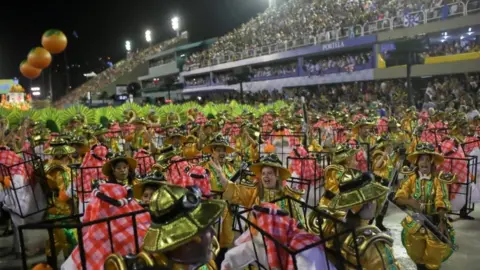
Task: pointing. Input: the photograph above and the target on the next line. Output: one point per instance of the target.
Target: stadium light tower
(176, 25)
(148, 36)
(128, 45)
(272, 3)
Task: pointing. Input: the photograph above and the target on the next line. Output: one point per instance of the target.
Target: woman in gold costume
(59, 179)
(268, 188)
(245, 144)
(343, 166)
(426, 192)
(356, 203)
(121, 170)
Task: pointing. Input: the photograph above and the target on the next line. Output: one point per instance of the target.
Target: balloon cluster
(54, 42)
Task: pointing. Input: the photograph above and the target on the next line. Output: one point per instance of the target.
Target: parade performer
(180, 237)
(245, 144)
(357, 201)
(143, 190)
(269, 186)
(343, 166)
(89, 171)
(121, 170)
(363, 140)
(251, 248)
(59, 178)
(425, 191)
(81, 148)
(305, 167)
(109, 200)
(219, 149)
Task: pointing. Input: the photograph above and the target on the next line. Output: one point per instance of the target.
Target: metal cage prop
(72, 223)
(310, 179)
(28, 191)
(145, 161)
(283, 144)
(461, 191)
(332, 251)
(80, 190)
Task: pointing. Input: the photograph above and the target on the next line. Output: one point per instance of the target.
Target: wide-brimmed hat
(270, 160)
(362, 122)
(218, 140)
(154, 179)
(59, 147)
(425, 149)
(82, 142)
(107, 168)
(176, 133)
(356, 191)
(179, 214)
(140, 121)
(342, 152)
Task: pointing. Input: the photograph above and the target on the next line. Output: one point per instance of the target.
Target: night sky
(103, 26)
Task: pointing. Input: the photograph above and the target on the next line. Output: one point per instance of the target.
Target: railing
(409, 20)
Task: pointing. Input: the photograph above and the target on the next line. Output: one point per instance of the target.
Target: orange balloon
(39, 58)
(28, 71)
(54, 41)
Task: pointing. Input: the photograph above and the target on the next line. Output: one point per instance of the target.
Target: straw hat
(270, 160)
(107, 168)
(218, 140)
(82, 142)
(360, 123)
(356, 191)
(140, 121)
(59, 147)
(425, 149)
(178, 215)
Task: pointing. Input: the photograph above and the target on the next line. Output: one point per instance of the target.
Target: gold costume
(421, 245)
(248, 196)
(333, 175)
(226, 235)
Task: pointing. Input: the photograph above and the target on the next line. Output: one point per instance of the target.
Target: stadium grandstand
(305, 43)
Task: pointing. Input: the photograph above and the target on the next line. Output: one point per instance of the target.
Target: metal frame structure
(77, 172)
(35, 176)
(472, 164)
(72, 222)
(317, 183)
(333, 252)
(301, 136)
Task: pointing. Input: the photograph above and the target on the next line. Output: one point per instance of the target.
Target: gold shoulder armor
(314, 223)
(447, 177)
(334, 167)
(407, 170)
(365, 236)
(295, 193)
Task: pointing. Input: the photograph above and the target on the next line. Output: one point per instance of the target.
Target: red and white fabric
(305, 167)
(471, 142)
(13, 161)
(284, 229)
(96, 242)
(145, 162)
(382, 126)
(90, 170)
(456, 164)
(200, 119)
(177, 171)
(358, 116)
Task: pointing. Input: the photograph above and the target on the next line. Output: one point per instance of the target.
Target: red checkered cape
(285, 230)
(358, 116)
(306, 169)
(145, 161)
(13, 161)
(90, 170)
(450, 149)
(96, 241)
(432, 135)
(471, 142)
(179, 174)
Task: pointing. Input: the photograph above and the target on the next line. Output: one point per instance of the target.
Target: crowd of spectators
(223, 78)
(197, 80)
(453, 47)
(298, 21)
(318, 65)
(122, 67)
(275, 70)
(161, 61)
